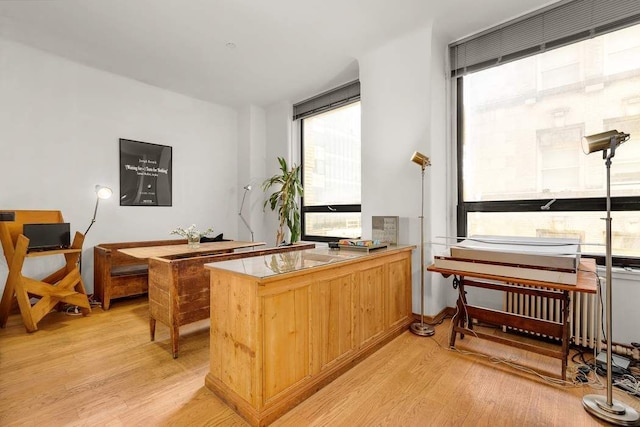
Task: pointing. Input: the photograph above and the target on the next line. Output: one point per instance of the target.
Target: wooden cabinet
(285, 325)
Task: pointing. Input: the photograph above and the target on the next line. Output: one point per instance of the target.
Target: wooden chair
(62, 286)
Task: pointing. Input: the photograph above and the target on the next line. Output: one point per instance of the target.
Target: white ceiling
(285, 49)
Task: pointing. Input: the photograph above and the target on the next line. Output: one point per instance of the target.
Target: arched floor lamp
(247, 188)
(609, 410)
(421, 328)
(102, 192)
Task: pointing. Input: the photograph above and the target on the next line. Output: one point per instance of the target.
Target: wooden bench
(117, 275)
(179, 288)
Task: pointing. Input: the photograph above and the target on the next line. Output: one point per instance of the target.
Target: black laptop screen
(47, 236)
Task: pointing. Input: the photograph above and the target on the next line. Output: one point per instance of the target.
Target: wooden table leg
(175, 335)
(15, 285)
(460, 318)
(8, 294)
(465, 320)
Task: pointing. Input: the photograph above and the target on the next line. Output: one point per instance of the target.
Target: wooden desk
(64, 285)
(179, 288)
(462, 321)
(284, 325)
(185, 250)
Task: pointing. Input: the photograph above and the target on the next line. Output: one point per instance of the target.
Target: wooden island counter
(284, 325)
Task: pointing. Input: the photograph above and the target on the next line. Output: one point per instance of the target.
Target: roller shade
(554, 26)
(329, 100)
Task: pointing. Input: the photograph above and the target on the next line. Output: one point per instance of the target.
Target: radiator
(584, 314)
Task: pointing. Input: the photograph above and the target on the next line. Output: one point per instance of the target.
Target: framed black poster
(145, 174)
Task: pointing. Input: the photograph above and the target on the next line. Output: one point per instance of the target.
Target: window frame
(333, 208)
(586, 204)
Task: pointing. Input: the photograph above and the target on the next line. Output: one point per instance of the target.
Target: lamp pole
(247, 188)
(102, 192)
(421, 329)
(610, 410)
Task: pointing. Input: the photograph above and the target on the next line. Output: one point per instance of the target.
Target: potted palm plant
(285, 200)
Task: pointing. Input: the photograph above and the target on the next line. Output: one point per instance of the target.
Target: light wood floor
(103, 370)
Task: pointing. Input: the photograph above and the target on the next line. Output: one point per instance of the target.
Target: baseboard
(438, 318)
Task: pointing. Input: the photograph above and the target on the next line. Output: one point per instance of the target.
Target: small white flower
(191, 232)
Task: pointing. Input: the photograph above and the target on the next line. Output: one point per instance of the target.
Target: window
(520, 126)
(331, 174)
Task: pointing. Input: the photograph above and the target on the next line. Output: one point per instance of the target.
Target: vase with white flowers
(192, 235)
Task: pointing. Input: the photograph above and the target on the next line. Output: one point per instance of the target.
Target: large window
(520, 126)
(331, 174)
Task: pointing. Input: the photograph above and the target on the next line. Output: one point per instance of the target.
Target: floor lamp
(247, 188)
(609, 410)
(421, 329)
(102, 192)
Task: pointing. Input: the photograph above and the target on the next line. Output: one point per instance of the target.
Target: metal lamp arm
(240, 214)
(93, 220)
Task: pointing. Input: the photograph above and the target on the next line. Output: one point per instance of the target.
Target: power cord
(72, 310)
(513, 364)
(581, 373)
(629, 384)
(578, 373)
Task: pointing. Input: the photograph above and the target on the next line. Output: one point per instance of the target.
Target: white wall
(60, 123)
(403, 96)
(443, 192)
(279, 143)
(251, 164)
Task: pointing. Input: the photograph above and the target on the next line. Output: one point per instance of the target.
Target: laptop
(44, 237)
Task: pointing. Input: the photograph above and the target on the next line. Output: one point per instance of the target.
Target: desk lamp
(421, 329)
(609, 410)
(247, 188)
(102, 192)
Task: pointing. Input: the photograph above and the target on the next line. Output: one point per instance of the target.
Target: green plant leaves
(285, 200)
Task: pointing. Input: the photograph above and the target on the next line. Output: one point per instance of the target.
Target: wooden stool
(62, 286)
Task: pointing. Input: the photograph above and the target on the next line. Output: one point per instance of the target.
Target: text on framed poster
(145, 174)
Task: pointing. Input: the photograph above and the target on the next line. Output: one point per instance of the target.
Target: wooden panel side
(370, 304)
(159, 290)
(286, 340)
(101, 269)
(120, 259)
(124, 286)
(234, 328)
(192, 290)
(330, 321)
(398, 292)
